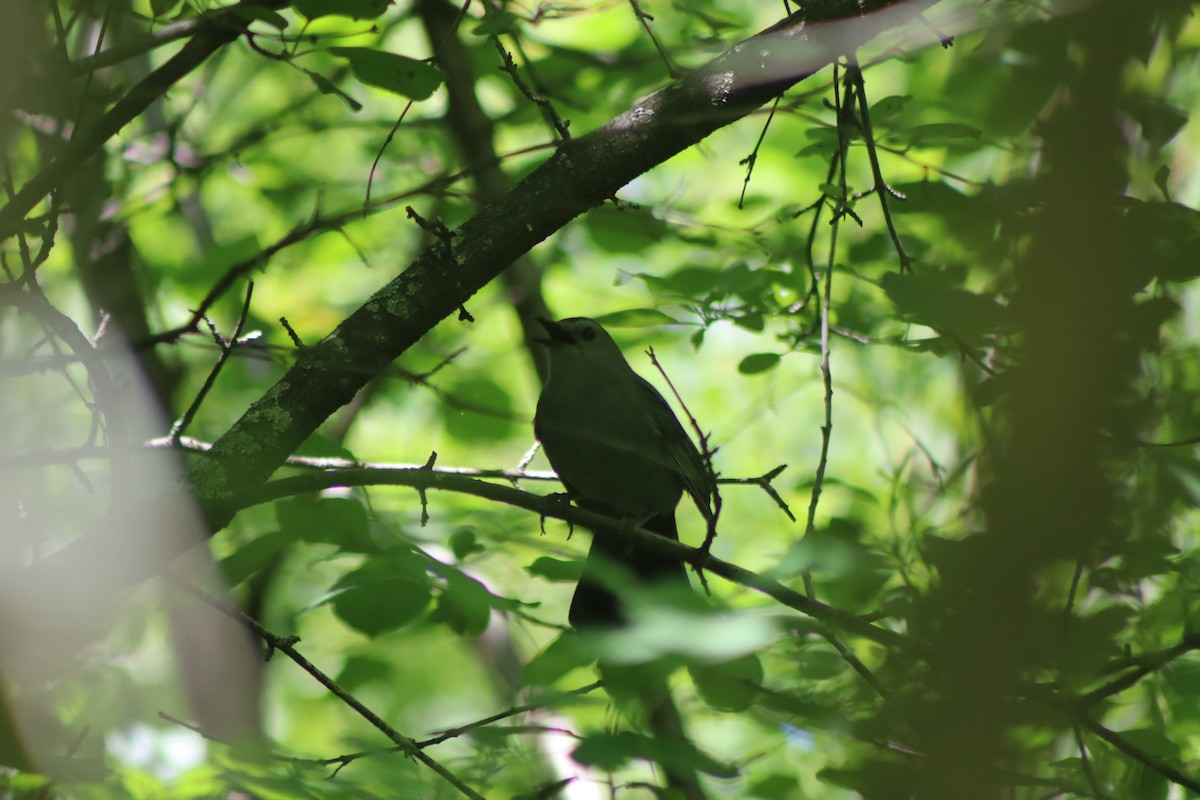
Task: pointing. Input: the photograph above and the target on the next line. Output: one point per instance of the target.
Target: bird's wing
(678, 449)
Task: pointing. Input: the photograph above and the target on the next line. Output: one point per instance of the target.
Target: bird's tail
(594, 604)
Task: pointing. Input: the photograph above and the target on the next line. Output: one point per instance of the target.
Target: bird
(619, 450)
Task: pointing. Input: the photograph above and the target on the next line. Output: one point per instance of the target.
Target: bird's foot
(557, 497)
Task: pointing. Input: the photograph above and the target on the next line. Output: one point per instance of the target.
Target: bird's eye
(588, 334)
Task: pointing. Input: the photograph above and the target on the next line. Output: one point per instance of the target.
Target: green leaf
(931, 300)
(624, 229)
(390, 72)
(464, 543)
(384, 594)
(340, 521)
(1166, 237)
(758, 362)
(942, 133)
(559, 657)
(252, 556)
(775, 786)
(555, 569)
(480, 410)
(732, 686)
(832, 191)
(658, 630)
(820, 661)
(888, 107)
(360, 670)
(326, 86)
(464, 605)
(610, 751)
(355, 9)
(496, 23)
(160, 7)
(636, 318)
(259, 14)
(687, 281)
(1160, 121)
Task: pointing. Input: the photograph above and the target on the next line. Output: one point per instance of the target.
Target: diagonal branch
(580, 175)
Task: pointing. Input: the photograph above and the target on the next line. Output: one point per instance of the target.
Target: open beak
(557, 333)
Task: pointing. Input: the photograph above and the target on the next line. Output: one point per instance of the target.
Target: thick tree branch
(577, 177)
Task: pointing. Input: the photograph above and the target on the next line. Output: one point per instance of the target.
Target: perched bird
(619, 450)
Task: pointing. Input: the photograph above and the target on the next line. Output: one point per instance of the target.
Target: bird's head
(579, 341)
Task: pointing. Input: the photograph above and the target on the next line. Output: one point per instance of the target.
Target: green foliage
(987, 579)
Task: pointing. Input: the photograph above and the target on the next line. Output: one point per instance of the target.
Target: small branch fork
(226, 346)
(561, 126)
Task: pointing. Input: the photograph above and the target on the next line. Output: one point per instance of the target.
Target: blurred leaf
(497, 22)
(252, 556)
(818, 661)
(758, 362)
(775, 786)
(360, 670)
(888, 107)
(384, 594)
(941, 133)
(658, 630)
(559, 657)
(732, 686)
(625, 229)
(610, 751)
(636, 318)
(877, 778)
(481, 410)
(1160, 121)
(464, 543)
(928, 300)
(464, 605)
(340, 521)
(394, 73)
(555, 569)
(1166, 238)
(253, 13)
(355, 9)
(326, 86)
(160, 7)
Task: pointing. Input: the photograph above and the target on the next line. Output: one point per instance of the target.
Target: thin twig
(645, 19)
(227, 348)
(752, 159)
(286, 645)
(451, 733)
(560, 125)
(882, 190)
(826, 372)
(382, 149)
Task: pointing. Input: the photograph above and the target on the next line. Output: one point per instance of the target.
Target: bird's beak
(558, 335)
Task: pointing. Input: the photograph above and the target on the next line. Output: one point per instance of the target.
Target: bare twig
(826, 372)
(286, 645)
(227, 348)
(561, 126)
(857, 88)
(644, 20)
